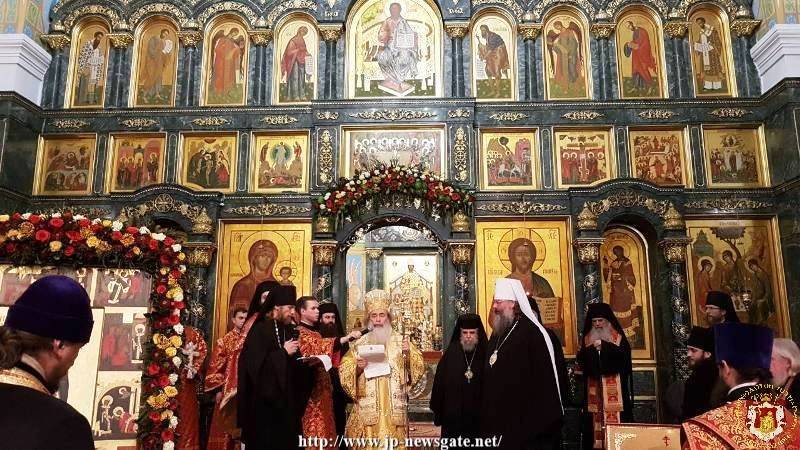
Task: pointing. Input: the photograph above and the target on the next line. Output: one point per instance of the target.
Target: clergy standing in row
(520, 399)
(330, 326)
(605, 361)
(703, 390)
(456, 394)
(274, 384)
(381, 402)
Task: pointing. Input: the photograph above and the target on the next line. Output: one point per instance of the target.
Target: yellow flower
(162, 342)
(181, 256)
(55, 246)
(171, 391)
(156, 338)
(12, 234)
(86, 233)
(127, 240)
(3, 238)
(167, 414)
(93, 241)
(176, 341)
(26, 230)
(137, 251)
(103, 247)
(4, 218)
(106, 223)
(164, 271)
(157, 401)
(171, 351)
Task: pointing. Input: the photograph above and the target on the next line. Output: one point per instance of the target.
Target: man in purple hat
(43, 332)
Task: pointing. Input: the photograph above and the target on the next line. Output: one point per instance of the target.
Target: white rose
(321, 207)
(182, 268)
(55, 215)
(169, 445)
(176, 248)
(78, 217)
(144, 230)
(116, 225)
(26, 216)
(176, 312)
(377, 172)
(178, 328)
(96, 221)
(176, 360)
(173, 378)
(178, 297)
(158, 236)
(327, 195)
(173, 421)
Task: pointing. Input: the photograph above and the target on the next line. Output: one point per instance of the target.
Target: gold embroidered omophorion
(19, 377)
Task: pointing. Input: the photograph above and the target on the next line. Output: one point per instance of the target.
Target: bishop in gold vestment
(381, 403)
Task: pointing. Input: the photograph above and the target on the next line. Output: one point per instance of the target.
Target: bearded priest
(380, 395)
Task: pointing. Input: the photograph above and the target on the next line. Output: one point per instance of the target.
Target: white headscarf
(511, 290)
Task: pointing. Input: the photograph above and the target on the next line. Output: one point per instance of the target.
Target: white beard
(468, 346)
(600, 333)
(380, 335)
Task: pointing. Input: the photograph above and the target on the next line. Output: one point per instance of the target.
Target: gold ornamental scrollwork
(582, 115)
(373, 253)
(120, 40)
(269, 209)
(730, 113)
(327, 115)
(95, 10)
(200, 254)
(587, 220)
(330, 33)
(512, 6)
(602, 30)
(674, 249)
(460, 222)
(676, 29)
(212, 121)
(166, 9)
(456, 30)
(460, 151)
(628, 199)
(521, 207)
(323, 224)
(229, 6)
(278, 119)
(190, 38)
(69, 124)
(673, 220)
(588, 249)
(261, 37)
(56, 41)
(508, 116)
(138, 122)
(728, 204)
(165, 203)
(325, 157)
(530, 31)
(657, 114)
(393, 114)
(324, 252)
(461, 252)
(281, 7)
(745, 27)
(459, 113)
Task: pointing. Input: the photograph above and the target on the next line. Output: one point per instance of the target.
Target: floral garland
(71, 239)
(348, 196)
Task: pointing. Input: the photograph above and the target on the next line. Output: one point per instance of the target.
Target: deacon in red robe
(195, 350)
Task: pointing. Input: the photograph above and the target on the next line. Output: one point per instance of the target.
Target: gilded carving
(745, 27)
(676, 29)
(284, 6)
(278, 119)
(261, 37)
(330, 33)
(521, 207)
(460, 151)
(459, 113)
(95, 10)
(657, 114)
(729, 204)
(229, 6)
(614, 5)
(323, 224)
(392, 114)
(456, 30)
(585, 5)
(674, 251)
(588, 250)
(508, 116)
(730, 113)
(190, 38)
(200, 253)
(587, 220)
(325, 158)
(673, 220)
(324, 253)
(164, 203)
(69, 124)
(582, 115)
(682, 8)
(602, 30)
(327, 115)
(167, 9)
(269, 209)
(55, 41)
(628, 199)
(373, 253)
(529, 31)
(461, 253)
(138, 122)
(211, 121)
(512, 6)
(460, 222)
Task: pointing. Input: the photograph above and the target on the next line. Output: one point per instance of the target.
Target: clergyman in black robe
(558, 353)
(520, 400)
(456, 395)
(274, 384)
(703, 389)
(605, 360)
(335, 329)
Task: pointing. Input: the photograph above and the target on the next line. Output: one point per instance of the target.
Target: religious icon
(583, 157)
(740, 257)
(88, 62)
(252, 253)
(225, 63)
(136, 161)
(658, 156)
(734, 157)
(280, 162)
(412, 283)
(208, 162)
(711, 58)
(295, 71)
(368, 148)
(125, 337)
(507, 159)
(394, 49)
(122, 287)
(538, 254)
(156, 63)
(566, 55)
(639, 55)
(626, 287)
(65, 165)
(494, 58)
(116, 406)
(16, 279)
(356, 284)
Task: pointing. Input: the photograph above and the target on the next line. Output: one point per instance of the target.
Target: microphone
(363, 332)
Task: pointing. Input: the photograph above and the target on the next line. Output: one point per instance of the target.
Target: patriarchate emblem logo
(766, 420)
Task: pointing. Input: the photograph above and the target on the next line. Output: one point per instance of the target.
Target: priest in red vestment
(188, 429)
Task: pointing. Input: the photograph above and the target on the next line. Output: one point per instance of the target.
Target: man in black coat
(274, 384)
(703, 390)
(43, 332)
(456, 394)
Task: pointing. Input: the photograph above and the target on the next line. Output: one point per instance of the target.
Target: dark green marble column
(324, 259)
(675, 253)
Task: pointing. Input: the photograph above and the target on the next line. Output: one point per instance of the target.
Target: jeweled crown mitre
(377, 299)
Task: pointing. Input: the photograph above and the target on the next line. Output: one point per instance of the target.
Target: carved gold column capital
(587, 220)
(673, 220)
(202, 223)
(199, 254)
(261, 37)
(324, 252)
(457, 30)
(588, 249)
(674, 249)
(602, 30)
(676, 28)
(461, 252)
(190, 38)
(120, 40)
(374, 253)
(323, 224)
(744, 27)
(529, 31)
(460, 222)
(330, 33)
(56, 41)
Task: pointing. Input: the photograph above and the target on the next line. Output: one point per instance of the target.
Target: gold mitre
(377, 299)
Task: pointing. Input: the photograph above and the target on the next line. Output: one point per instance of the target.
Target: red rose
(11, 248)
(117, 235)
(166, 260)
(34, 219)
(97, 227)
(152, 369)
(132, 230)
(69, 250)
(456, 197)
(168, 241)
(84, 223)
(167, 435)
(176, 274)
(161, 289)
(56, 222)
(155, 416)
(153, 244)
(16, 216)
(173, 319)
(42, 235)
(163, 381)
(179, 305)
(74, 235)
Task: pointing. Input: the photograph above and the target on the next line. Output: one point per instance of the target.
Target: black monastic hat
(702, 338)
(723, 301)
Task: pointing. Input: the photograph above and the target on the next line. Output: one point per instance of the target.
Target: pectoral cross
(189, 350)
(666, 440)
